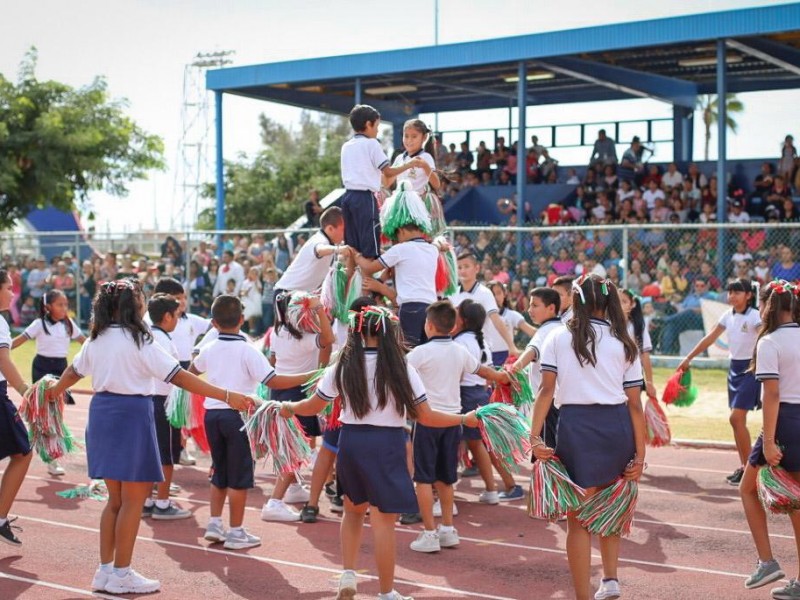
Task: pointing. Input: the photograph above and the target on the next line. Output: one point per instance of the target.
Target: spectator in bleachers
(511, 164)
(62, 279)
(465, 158)
(632, 163)
(651, 194)
(653, 174)
(637, 278)
(788, 159)
(778, 193)
(572, 177)
(88, 287)
(762, 186)
(688, 317)
(707, 274)
(536, 146)
(499, 156)
(37, 280)
(532, 167)
(549, 167)
(699, 181)
(673, 281)
(736, 212)
(787, 268)
(230, 271)
(563, 265)
(604, 151)
(483, 160)
(672, 178)
(789, 211)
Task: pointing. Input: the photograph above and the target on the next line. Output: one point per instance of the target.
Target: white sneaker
(608, 590)
(448, 539)
(55, 469)
(241, 539)
(437, 509)
(427, 541)
(186, 459)
(276, 510)
(347, 586)
(488, 497)
(296, 494)
(395, 595)
(99, 580)
(215, 533)
(131, 583)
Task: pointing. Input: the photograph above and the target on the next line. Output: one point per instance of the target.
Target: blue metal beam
(682, 134)
(722, 155)
(220, 214)
(636, 83)
(775, 53)
(472, 89)
(522, 163)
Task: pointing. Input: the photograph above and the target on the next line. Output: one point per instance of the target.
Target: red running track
(689, 540)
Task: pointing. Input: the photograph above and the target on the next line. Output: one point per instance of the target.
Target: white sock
(162, 504)
(3, 520)
(431, 532)
(149, 503)
(446, 528)
(274, 502)
(121, 571)
(389, 596)
(237, 530)
(107, 568)
(215, 521)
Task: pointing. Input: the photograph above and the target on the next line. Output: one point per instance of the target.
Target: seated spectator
(484, 160)
(707, 274)
(637, 278)
(532, 166)
(761, 187)
(688, 317)
(653, 174)
(511, 164)
(610, 180)
(672, 178)
(741, 253)
(709, 194)
(787, 268)
(572, 177)
(678, 208)
(651, 194)
(709, 214)
(660, 212)
(778, 193)
(743, 270)
(761, 269)
(673, 281)
(699, 181)
(464, 158)
(563, 265)
(632, 164)
(789, 211)
(28, 312)
(542, 272)
(736, 212)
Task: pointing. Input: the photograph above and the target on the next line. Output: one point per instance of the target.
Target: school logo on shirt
(744, 328)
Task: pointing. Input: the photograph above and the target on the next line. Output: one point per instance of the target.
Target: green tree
(270, 189)
(708, 105)
(58, 143)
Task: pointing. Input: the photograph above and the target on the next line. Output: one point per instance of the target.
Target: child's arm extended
(285, 382)
(68, 378)
(500, 325)
(19, 340)
(304, 408)
(368, 266)
(701, 347)
(524, 359)
(10, 372)
(391, 172)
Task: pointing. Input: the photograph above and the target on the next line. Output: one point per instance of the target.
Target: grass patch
(23, 359)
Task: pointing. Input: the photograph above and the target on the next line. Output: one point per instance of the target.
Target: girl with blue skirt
(121, 444)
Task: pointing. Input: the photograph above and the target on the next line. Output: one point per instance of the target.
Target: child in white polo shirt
(230, 361)
(441, 362)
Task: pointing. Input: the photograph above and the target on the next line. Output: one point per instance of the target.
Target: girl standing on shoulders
(601, 430)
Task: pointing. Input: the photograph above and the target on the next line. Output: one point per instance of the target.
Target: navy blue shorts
(231, 459)
(472, 396)
(412, 322)
(47, 365)
(436, 453)
(499, 358)
(362, 224)
(169, 437)
(744, 391)
(310, 424)
(787, 436)
(13, 435)
(371, 466)
(595, 442)
(330, 439)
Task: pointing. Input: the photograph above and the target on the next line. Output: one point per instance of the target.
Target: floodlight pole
(220, 213)
(522, 170)
(722, 131)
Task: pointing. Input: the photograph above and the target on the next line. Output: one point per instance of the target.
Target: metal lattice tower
(194, 165)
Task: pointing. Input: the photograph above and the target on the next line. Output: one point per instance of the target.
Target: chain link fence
(676, 269)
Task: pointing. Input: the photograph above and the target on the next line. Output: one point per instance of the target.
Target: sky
(142, 46)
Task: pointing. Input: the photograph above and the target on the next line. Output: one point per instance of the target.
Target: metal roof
(670, 59)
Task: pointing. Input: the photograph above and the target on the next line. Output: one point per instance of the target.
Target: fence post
(625, 258)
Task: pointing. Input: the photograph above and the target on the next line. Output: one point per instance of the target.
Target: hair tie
(576, 287)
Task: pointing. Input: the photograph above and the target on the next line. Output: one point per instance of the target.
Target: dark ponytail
(44, 314)
(281, 306)
(636, 317)
(120, 302)
(473, 317)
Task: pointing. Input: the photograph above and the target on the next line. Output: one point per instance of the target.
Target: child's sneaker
(7, 536)
(309, 514)
(514, 493)
(410, 518)
(394, 595)
(276, 510)
(448, 539)
(608, 590)
(330, 489)
(735, 478)
(171, 513)
(296, 493)
(427, 541)
(186, 459)
(337, 504)
(55, 469)
(347, 586)
(99, 580)
(239, 539)
(437, 509)
(215, 533)
(488, 497)
(790, 591)
(766, 572)
(131, 583)
(147, 511)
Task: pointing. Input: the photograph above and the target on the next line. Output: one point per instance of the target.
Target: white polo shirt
(468, 340)
(293, 356)
(117, 365)
(441, 363)
(55, 342)
(209, 336)
(418, 178)
(604, 383)
(163, 339)
(742, 331)
(386, 417)
(777, 357)
(647, 342)
(512, 319)
(537, 343)
(566, 315)
(5, 340)
(414, 263)
(189, 328)
(482, 295)
(231, 363)
(308, 269)
(363, 159)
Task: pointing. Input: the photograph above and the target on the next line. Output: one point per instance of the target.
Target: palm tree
(709, 104)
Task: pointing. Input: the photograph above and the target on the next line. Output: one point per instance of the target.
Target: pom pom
(435, 211)
(778, 491)
(519, 393)
(339, 284)
(96, 490)
(49, 436)
(353, 292)
(179, 408)
(197, 426)
(330, 415)
(658, 432)
(610, 511)
(452, 272)
(273, 435)
(404, 208)
(442, 278)
(679, 389)
(553, 493)
(300, 314)
(506, 434)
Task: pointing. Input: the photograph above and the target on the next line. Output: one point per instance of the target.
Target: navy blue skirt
(595, 442)
(13, 435)
(744, 391)
(310, 424)
(121, 442)
(371, 467)
(787, 436)
(472, 397)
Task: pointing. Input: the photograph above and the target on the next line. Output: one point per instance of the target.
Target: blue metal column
(522, 170)
(682, 135)
(358, 90)
(722, 131)
(220, 214)
(397, 135)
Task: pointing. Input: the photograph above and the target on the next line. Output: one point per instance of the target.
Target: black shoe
(470, 472)
(337, 504)
(309, 514)
(410, 518)
(7, 536)
(736, 477)
(330, 489)
(68, 399)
